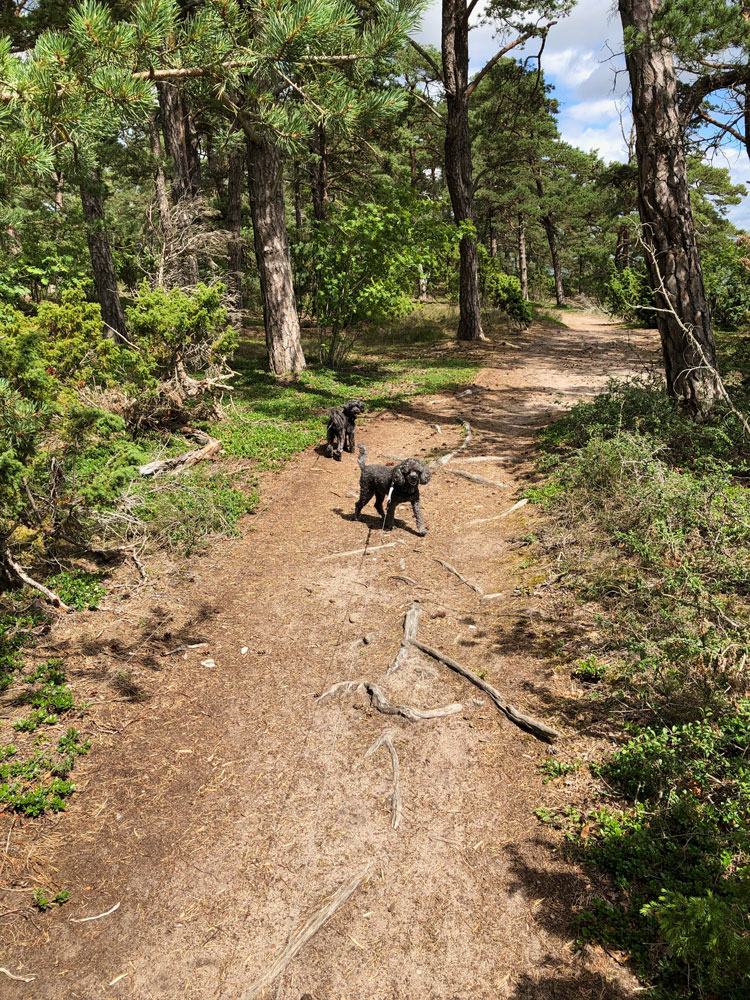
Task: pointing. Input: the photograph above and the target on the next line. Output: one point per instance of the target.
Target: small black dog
(405, 480)
(340, 432)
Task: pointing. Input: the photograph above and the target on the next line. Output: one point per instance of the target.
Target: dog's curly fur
(405, 478)
(340, 431)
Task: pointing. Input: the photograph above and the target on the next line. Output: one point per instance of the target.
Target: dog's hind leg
(365, 495)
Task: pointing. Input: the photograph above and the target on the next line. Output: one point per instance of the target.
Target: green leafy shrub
(504, 291)
(628, 295)
(78, 589)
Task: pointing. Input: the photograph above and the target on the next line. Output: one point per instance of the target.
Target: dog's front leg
(349, 443)
(416, 506)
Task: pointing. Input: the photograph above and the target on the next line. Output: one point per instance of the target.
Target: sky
(584, 63)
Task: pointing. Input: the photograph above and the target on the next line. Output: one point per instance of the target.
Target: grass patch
(541, 314)
(653, 513)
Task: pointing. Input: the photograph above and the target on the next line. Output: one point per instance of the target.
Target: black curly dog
(340, 432)
(405, 478)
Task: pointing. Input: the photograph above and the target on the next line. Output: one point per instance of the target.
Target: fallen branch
(408, 579)
(411, 622)
(181, 463)
(308, 930)
(83, 920)
(386, 740)
(452, 569)
(525, 722)
(451, 454)
(358, 552)
(488, 458)
(18, 979)
(15, 570)
(498, 517)
(477, 479)
(381, 703)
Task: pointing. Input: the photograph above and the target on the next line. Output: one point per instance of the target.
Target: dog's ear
(425, 475)
(398, 477)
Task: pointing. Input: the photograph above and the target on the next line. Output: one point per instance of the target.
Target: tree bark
(622, 250)
(458, 166)
(523, 266)
(298, 220)
(272, 255)
(102, 262)
(180, 147)
(234, 223)
(666, 215)
(162, 199)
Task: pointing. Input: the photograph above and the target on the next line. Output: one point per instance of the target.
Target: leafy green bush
(628, 294)
(504, 291)
(727, 278)
(78, 589)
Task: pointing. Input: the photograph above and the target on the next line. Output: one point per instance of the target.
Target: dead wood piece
(488, 458)
(498, 517)
(181, 463)
(477, 479)
(308, 930)
(525, 722)
(381, 703)
(452, 569)
(386, 740)
(411, 623)
(345, 686)
(408, 579)
(83, 920)
(437, 428)
(17, 572)
(358, 552)
(18, 979)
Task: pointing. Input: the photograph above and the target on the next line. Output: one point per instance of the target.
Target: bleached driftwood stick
(477, 479)
(411, 622)
(452, 569)
(487, 458)
(308, 930)
(381, 703)
(83, 920)
(18, 979)
(525, 722)
(386, 740)
(498, 517)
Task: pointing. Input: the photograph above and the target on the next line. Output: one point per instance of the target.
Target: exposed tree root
(381, 703)
(181, 463)
(358, 552)
(411, 622)
(525, 722)
(16, 572)
(345, 686)
(444, 459)
(452, 569)
(488, 458)
(498, 517)
(477, 479)
(308, 930)
(386, 740)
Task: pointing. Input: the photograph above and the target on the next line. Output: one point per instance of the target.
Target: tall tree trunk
(59, 190)
(523, 266)
(179, 145)
(549, 228)
(162, 199)
(458, 167)
(622, 250)
(666, 215)
(234, 222)
(100, 250)
(319, 185)
(272, 254)
(413, 165)
(493, 236)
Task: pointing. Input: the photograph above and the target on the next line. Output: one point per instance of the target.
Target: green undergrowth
(35, 766)
(651, 512)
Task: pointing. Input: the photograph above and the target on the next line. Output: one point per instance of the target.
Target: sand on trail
(221, 812)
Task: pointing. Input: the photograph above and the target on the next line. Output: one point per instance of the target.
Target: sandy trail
(221, 812)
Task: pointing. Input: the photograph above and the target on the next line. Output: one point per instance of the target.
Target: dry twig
(452, 569)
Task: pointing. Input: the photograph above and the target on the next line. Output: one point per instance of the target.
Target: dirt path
(223, 810)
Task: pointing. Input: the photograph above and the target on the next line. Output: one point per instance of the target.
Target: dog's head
(353, 408)
(411, 473)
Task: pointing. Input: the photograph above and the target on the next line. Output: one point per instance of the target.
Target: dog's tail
(362, 460)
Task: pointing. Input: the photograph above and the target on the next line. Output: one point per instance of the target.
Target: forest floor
(221, 811)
